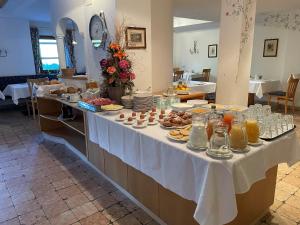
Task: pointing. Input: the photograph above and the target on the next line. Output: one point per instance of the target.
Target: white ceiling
(38, 10)
(210, 9)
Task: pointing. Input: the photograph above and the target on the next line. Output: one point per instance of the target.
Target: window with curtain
(49, 54)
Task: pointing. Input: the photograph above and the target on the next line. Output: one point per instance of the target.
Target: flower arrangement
(117, 68)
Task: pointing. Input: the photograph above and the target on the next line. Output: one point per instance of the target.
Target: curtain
(69, 50)
(36, 49)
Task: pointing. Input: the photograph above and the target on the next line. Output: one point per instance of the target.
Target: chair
(33, 99)
(288, 96)
(178, 75)
(175, 69)
(205, 76)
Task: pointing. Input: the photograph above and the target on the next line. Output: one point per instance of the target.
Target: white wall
(276, 68)
(184, 41)
(137, 13)
(153, 65)
(81, 12)
(15, 37)
(269, 67)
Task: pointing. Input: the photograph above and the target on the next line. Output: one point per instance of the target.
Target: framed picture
(135, 38)
(213, 51)
(271, 47)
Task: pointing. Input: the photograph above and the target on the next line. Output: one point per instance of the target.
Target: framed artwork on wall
(213, 51)
(271, 47)
(135, 38)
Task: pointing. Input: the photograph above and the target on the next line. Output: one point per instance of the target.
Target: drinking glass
(290, 122)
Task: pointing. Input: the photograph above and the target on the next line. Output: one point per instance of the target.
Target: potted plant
(117, 72)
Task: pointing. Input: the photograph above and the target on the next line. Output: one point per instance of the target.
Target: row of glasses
(277, 124)
(270, 124)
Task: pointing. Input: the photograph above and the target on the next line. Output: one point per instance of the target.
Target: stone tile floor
(43, 183)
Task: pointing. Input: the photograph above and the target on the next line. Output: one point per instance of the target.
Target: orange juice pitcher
(252, 130)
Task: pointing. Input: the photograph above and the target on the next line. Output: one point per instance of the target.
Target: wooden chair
(288, 96)
(176, 69)
(178, 75)
(33, 99)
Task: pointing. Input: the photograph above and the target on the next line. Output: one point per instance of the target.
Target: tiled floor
(43, 183)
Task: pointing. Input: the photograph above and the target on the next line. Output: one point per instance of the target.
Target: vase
(116, 93)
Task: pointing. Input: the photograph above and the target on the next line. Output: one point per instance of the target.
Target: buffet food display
(217, 129)
(220, 131)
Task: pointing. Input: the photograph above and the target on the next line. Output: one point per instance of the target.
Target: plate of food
(152, 121)
(140, 124)
(112, 107)
(129, 121)
(120, 118)
(176, 120)
(181, 135)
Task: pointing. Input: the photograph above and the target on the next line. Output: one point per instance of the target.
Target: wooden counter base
(171, 208)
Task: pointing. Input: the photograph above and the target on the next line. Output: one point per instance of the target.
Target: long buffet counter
(178, 185)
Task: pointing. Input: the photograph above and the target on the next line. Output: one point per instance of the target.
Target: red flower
(123, 75)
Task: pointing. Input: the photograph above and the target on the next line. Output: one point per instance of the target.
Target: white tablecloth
(190, 75)
(17, 91)
(199, 86)
(212, 184)
(41, 90)
(261, 87)
(2, 96)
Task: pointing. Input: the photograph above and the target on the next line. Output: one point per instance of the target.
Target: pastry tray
(89, 107)
(280, 135)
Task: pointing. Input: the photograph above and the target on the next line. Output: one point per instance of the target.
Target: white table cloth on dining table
(199, 86)
(261, 87)
(17, 91)
(210, 183)
(41, 90)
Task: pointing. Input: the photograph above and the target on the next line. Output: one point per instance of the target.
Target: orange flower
(115, 46)
(111, 70)
(120, 55)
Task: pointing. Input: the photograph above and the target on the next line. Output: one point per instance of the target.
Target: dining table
(17, 91)
(200, 86)
(261, 87)
(20, 91)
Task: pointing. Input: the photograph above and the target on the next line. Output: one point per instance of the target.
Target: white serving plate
(181, 107)
(197, 103)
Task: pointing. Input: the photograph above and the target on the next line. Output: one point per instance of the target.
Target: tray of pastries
(176, 120)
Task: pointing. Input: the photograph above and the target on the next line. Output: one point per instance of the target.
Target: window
(49, 54)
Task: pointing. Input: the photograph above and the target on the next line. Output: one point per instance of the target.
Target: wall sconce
(195, 49)
(3, 52)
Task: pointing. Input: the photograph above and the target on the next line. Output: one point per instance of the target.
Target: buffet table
(175, 183)
(211, 184)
